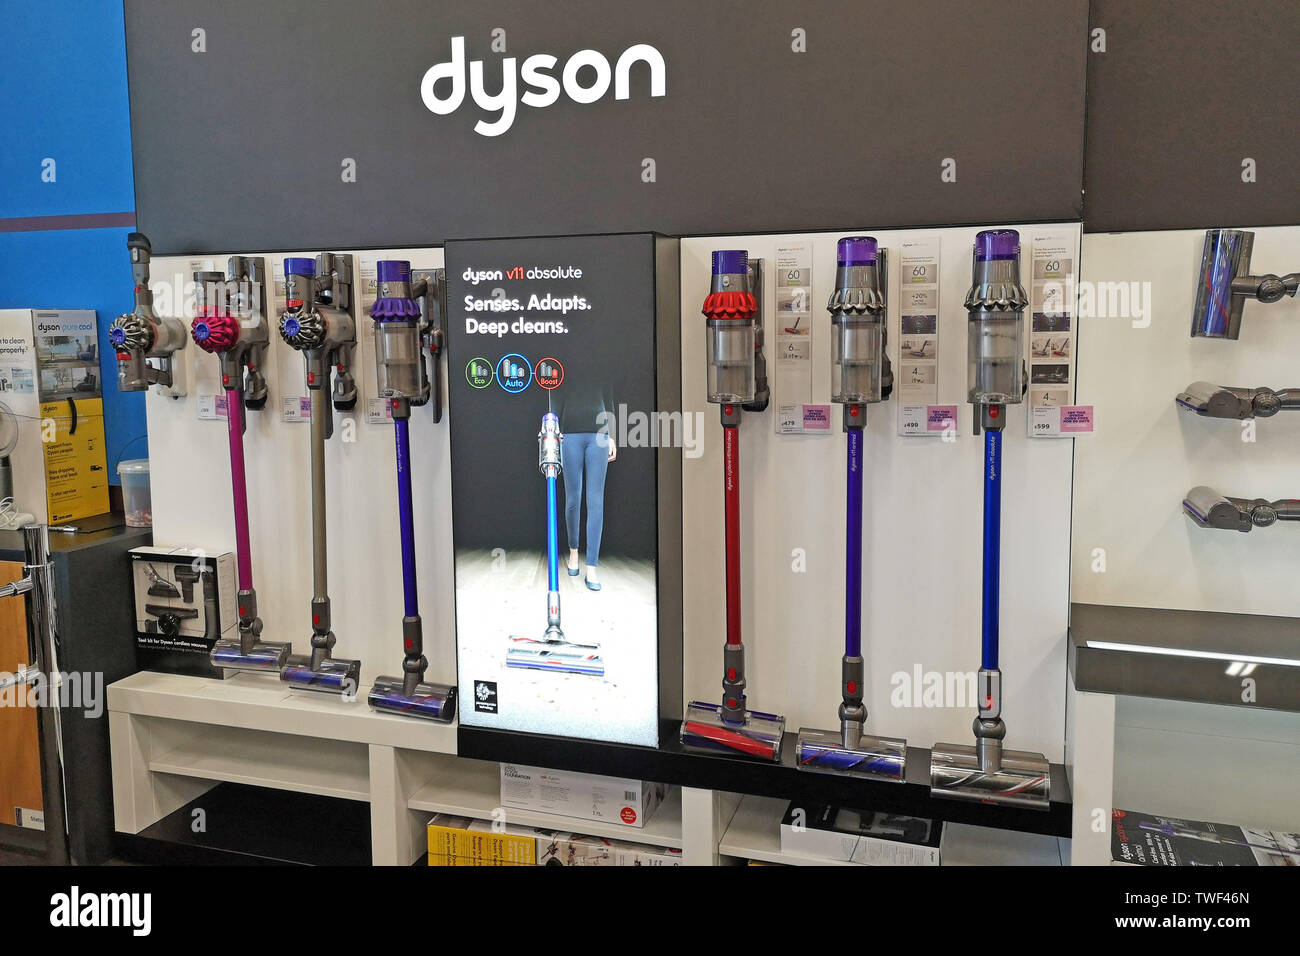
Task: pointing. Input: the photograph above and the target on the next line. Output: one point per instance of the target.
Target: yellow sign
(76, 472)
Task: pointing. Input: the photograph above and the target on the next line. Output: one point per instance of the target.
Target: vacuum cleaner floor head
(336, 675)
(874, 758)
(1022, 780)
(264, 656)
(430, 701)
(561, 656)
(759, 735)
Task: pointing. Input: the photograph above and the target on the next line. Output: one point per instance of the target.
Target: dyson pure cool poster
(551, 351)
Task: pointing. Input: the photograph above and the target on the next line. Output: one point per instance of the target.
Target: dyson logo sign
(585, 78)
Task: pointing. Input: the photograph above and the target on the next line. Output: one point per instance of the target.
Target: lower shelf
(246, 826)
(755, 834)
(472, 788)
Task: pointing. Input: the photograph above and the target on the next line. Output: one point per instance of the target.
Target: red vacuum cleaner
(737, 383)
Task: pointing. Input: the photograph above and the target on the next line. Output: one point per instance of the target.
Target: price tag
(212, 407)
(1062, 421)
(916, 368)
(803, 420)
(379, 412)
(295, 408)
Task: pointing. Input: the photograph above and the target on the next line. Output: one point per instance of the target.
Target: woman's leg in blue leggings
(597, 460)
(572, 454)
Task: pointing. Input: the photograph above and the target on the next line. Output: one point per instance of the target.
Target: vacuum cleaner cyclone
(401, 328)
(734, 357)
(995, 352)
(554, 652)
(318, 322)
(860, 376)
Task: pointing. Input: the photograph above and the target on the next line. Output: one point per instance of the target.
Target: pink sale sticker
(816, 418)
(940, 418)
(1076, 418)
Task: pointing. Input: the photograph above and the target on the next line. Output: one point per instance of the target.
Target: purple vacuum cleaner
(232, 325)
(401, 330)
(318, 322)
(860, 376)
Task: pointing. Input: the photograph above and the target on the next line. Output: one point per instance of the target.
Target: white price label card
(803, 420)
(212, 407)
(295, 408)
(1061, 421)
(379, 412)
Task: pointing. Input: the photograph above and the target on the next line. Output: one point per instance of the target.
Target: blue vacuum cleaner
(401, 329)
(860, 376)
(995, 346)
(554, 652)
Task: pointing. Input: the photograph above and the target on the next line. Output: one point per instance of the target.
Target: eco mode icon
(514, 374)
(478, 372)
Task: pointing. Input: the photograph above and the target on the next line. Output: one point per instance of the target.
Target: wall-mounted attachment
(1224, 401)
(141, 335)
(1225, 283)
(319, 321)
(1209, 509)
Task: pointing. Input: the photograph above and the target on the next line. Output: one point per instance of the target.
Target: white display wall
(190, 478)
(1130, 478)
(922, 528)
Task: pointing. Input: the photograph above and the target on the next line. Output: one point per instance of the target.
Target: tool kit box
(184, 603)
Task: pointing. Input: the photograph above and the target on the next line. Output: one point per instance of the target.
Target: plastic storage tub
(136, 501)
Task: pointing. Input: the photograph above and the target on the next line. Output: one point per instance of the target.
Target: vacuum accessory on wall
(995, 348)
(318, 321)
(1225, 284)
(142, 334)
(231, 323)
(555, 651)
(1209, 509)
(860, 375)
(737, 382)
(1224, 401)
(401, 330)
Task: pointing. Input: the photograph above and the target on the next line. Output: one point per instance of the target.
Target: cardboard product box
(860, 836)
(571, 850)
(1147, 839)
(185, 601)
(50, 385)
(583, 796)
(462, 841)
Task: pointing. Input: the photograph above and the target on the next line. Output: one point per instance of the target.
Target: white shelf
(262, 702)
(303, 764)
(755, 834)
(472, 788)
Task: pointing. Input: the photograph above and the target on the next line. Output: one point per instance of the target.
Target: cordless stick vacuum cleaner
(400, 333)
(735, 354)
(1209, 509)
(318, 322)
(1225, 284)
(995, 364)
(554, 652)
(232, 325)
(860, 376)
(141, 334)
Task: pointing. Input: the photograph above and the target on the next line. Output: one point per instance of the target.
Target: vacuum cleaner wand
(995, 353)
(554, 651)
(231, 324)
(318, 322)
(1222, 401)
(858, 364)
(1224, 284)
(399, 329)
(141, 334)
(1209, 509)
(734, 353)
